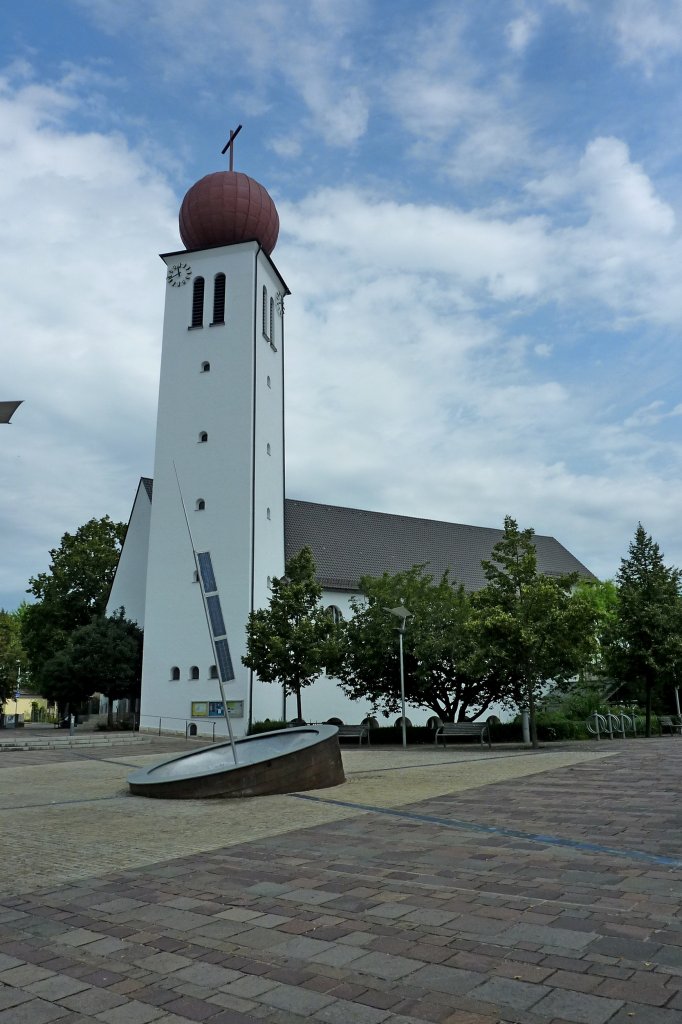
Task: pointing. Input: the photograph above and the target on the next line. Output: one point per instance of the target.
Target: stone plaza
(463, 886)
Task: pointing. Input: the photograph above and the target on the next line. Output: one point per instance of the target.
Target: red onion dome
(228, 207)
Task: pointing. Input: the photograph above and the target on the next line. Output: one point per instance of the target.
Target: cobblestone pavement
(454, 887)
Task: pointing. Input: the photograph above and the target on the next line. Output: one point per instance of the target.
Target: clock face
(179, 274)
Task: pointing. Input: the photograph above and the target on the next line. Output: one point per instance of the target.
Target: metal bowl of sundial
(285, 761)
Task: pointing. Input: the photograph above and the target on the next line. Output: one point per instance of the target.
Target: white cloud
(648, 32)
(520, 30)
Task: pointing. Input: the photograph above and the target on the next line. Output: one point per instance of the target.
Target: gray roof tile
(348, 543)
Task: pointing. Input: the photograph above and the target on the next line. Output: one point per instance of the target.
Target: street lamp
(403, 615)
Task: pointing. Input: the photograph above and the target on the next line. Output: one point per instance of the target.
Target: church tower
(220, 447)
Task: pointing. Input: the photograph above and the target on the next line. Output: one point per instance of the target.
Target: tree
(442, 669)
(72, 592)
(289, 641)
(531, 627)
(645, 640)
(12, 657)
(103, 657)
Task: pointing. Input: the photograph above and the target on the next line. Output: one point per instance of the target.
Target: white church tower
(219, 444)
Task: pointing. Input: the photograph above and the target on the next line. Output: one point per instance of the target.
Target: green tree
(532, 629)
(72, 592)
(289, 641)
(645, 640)
(13, 662)
(103, 657)
(442, 669)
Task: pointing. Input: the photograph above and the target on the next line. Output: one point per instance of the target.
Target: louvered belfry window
(265, 313)
(198, 303)
(219, 299)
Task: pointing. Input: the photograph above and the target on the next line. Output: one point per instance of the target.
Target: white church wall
(130, 583)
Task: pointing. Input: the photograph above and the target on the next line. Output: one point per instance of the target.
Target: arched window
(267, 513)
(334, 613)
(200, 505)
(219, 299)
(265, 313)
(268, 382)
(203, 437)
(195, 576)
(198, 303)
(205, 367)
(271, 335)
(213, 672)
(194, 672)
(175, 672)
(268, 448)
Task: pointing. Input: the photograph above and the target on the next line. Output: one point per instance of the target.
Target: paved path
(454, 887)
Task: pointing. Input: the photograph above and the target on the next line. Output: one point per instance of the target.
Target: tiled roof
(348, 543)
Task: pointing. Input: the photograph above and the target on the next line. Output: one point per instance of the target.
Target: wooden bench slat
(480, 729)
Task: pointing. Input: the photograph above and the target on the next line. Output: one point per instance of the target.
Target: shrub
(268, 725)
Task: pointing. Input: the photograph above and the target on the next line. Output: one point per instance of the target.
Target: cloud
(648, 32)
(520, 30)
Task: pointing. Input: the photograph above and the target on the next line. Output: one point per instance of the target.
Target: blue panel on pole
(215, 614)
(206, 569)
(224, 660)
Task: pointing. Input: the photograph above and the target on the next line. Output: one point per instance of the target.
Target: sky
(480, 227)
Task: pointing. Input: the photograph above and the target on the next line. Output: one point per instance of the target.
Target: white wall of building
(130, 583)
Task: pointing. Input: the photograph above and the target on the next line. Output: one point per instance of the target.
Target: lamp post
(403, 615)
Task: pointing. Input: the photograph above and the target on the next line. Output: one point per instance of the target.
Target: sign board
(215, 709)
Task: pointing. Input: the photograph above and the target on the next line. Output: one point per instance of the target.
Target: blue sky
(480, 226)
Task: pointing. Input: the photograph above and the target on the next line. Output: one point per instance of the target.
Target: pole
(402, 687)
(677, 700)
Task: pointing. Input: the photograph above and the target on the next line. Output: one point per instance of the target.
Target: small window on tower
(198, 303)
(269, 382)
(195, 576)
(271, 335)
(213, 672)
(203, 437)
(200, 505)
(268, 449)
(218, 300)
(175, 672)
(267, 513)
(265, 313)
(194, 672)
(205, 367)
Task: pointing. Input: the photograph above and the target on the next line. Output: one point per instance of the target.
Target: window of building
(203, 437)
(194, 672)
(269, 382)
(213, 672)
(334, 613)
(200, 505)
(271, 335)
(265, 313)
(205, 367)
(175, 672)
(218, 300)
(268, 449)
(267, 513)
(198, 303)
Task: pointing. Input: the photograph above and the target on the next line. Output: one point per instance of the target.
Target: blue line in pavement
(472, 826)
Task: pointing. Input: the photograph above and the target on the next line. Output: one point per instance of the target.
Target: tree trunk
(299, 711)
(531, 715)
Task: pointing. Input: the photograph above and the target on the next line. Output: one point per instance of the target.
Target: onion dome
(228, 207)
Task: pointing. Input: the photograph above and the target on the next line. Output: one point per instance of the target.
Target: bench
(672, 722)
(455, 729)
(351, 732)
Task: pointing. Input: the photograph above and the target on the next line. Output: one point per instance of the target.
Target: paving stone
(35, 1011)
(438, 978)
(301, 947)
(209, 976)
(342, 1012)
(296, 1000)
(190, 1008)
(577, 1006)
(133, 1012)
(56, 987)
(13, 996)
(249, 986)
(383, 965)
(546, 935)
(505, 992)
(93, 1000)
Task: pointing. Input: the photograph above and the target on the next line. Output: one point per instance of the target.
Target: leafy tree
(531, 627)
(645, 640)
(103, 657)
(13, 663)
(443, 671)
(289, 641)
(72, 592)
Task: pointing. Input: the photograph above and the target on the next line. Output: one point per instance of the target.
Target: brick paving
(545, 897)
